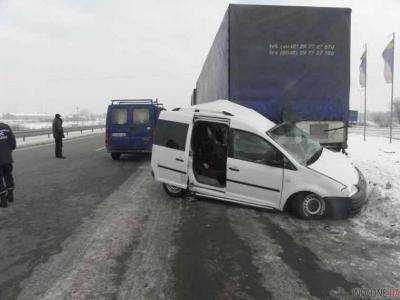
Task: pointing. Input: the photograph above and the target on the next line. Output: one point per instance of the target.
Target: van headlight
(350, 190)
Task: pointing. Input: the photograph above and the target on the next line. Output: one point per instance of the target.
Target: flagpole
(391, 100)
(365, 92)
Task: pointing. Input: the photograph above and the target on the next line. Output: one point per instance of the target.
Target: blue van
(130, 125)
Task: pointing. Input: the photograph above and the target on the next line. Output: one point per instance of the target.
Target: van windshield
(297, 142)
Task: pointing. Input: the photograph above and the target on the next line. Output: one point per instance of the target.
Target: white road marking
(102, 148)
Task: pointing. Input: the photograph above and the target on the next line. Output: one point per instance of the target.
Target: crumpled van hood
(336, 166)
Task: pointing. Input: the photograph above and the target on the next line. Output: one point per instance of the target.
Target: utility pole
(391, 100)
(365, 94)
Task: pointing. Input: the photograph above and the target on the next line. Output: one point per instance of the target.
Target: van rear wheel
(173, 191)
(115, 156)
(309, 206)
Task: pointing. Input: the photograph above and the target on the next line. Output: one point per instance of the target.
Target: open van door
(171, 149)
(208, 156)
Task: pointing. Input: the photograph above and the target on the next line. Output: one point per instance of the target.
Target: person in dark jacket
(7, 145)
(58, 134)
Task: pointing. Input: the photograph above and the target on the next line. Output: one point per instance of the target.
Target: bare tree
(382, 119)
(396, 108)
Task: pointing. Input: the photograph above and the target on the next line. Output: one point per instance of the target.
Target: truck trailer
(289, 63)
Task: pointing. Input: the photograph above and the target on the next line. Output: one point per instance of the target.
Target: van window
(141, 116)
(171, 134)
(119, 116)
(253, 148)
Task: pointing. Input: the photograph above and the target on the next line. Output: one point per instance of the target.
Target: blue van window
(119, 116)
(171, 134)
(141, 116)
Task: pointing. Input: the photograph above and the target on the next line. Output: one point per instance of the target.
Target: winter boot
(3, 200)
(10, 196)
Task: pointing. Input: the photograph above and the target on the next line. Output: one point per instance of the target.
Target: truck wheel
(173, 191)
(309, 206)
(116, 156)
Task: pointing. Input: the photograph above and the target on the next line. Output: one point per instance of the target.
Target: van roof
(231, 110)
(136, 102)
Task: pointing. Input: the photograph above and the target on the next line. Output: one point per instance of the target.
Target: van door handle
(179, 159)
(233, 169)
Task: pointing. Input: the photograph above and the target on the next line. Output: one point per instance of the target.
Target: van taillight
(106, 141)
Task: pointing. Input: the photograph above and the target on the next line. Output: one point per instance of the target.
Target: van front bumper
(344, 207)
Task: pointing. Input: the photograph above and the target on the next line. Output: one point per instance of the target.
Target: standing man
(58, 134)
(7, 145)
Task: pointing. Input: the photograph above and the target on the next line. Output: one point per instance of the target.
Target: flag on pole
(388, 57)
(363, 70)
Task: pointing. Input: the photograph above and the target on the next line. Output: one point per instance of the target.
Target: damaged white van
(225, 151)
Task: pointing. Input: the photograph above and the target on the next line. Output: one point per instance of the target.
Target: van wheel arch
(291, 199)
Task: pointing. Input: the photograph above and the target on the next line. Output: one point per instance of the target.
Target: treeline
(382, 118)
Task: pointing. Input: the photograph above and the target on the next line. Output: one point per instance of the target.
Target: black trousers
(6, 178)
(59, 146)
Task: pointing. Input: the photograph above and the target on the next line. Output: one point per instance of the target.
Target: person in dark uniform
(58, 134)
(7, 145)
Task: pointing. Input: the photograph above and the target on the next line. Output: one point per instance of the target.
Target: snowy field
(380, 163)
(376, 131)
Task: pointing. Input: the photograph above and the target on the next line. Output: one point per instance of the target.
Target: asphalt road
(89, 227)
(53, 197)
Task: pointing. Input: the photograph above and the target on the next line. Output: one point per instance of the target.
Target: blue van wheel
(116, 156)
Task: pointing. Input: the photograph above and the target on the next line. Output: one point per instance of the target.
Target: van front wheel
(173, 191)
(310, 206)
(115, 156)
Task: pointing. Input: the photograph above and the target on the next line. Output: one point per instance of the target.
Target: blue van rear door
(141, 127)
(119, 127)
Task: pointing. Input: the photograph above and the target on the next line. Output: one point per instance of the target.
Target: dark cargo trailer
(288, 63)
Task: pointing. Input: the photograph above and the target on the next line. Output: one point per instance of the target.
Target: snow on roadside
(26, 125)
(379, 161)
(48, 139)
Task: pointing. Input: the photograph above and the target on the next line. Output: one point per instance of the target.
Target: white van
(225, 151)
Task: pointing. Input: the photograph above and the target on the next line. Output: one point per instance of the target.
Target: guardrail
(48, 131)
(376, 131)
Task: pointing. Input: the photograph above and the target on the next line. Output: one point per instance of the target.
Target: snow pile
(379, 161)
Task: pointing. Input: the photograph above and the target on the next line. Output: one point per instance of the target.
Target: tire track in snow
(91, 264)
(277, 276)
(211, 261)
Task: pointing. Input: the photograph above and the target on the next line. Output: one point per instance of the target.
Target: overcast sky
(59, 55)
